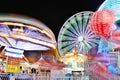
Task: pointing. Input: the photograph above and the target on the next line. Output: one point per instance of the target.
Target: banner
(14, 52)
(12, 68)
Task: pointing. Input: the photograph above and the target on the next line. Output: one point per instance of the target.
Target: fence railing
(76, 78)
(24, 77)
(60, 78)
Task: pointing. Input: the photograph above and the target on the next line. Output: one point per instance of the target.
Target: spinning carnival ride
(114, 6)
(25, 39)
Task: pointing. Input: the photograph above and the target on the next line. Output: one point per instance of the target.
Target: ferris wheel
(76, 32)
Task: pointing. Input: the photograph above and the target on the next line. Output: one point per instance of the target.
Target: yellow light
(32, 27)
(31, 40)
(12, 23)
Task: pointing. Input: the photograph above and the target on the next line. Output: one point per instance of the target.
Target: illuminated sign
(12, 68)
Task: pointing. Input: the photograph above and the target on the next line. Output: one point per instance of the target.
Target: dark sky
(53, 13)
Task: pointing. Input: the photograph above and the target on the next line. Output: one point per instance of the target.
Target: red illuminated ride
(101, 23)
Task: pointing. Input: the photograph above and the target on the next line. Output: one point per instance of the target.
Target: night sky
(50, 12)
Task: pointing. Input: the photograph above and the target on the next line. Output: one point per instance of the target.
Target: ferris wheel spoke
(87, 30)
(68, 35)
(78, 26)
(93, 43)
(90, 44)
(82, 49)
(75, 29)
(66, 40)
(66, 45)
(94, 39)
(68, 49)
(78, 18)
(72, 32)
(79, 49)
(74, 25)
(71, 24)
(86, 21)
(91, 33)
(82, 23)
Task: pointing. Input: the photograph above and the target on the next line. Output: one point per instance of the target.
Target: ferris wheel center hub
(80, 38)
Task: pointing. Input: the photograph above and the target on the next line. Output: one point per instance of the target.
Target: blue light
(112, 5)
(112, 69)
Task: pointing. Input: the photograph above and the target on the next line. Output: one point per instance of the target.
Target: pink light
(101, 22)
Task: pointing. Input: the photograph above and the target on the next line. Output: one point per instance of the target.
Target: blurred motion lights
(27, 34)
(101, 22)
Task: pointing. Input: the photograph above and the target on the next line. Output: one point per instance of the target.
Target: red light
(101, 22)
